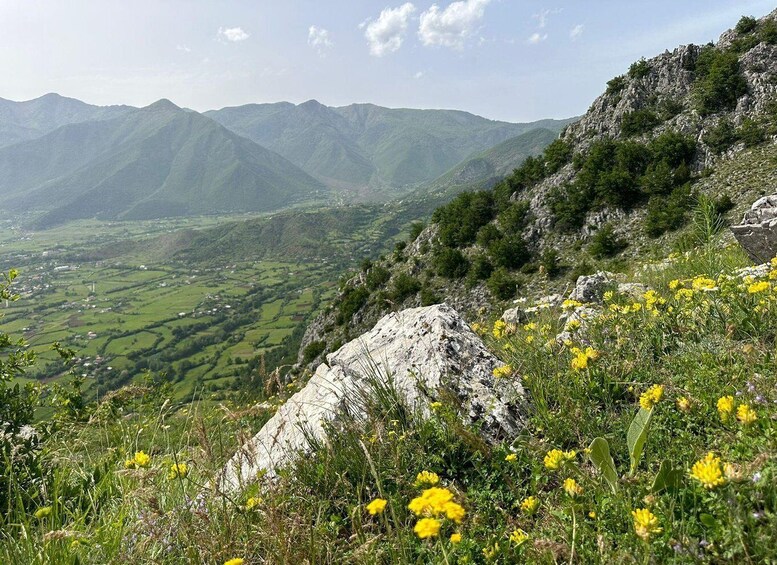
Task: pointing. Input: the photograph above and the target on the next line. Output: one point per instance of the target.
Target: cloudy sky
(515, 60)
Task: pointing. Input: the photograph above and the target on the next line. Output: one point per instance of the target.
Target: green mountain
(22, 121)
(485, 168)
(363, 146)
(152, 162)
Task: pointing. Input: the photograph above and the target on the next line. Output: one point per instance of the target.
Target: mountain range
(62, 159)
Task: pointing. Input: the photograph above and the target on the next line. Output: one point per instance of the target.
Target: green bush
(751, 133)
(639, 122)
(615, 85)
(515, 217)
(415, 230)
(480, 269)
(428, 296)
(658, 179)
(501, 284)
(351, 301)
(487, 234)
(639, 69)
(405, 286)
(746, 24)
(377, 276)
(450, 263)
(510, 252)
(768, 32)
(550, 262)
(720, 137)
(667, 214)
(719, 82)
(460, 220)
(605, 243)
(313, 350)
(556, 155)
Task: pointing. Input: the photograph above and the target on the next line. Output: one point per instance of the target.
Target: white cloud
(183, 48)
(542, 17)
(452, 26)
(385, 35)
(233, 33)
(536, 38)
(318, 38)
(418, 75)
(576, 31)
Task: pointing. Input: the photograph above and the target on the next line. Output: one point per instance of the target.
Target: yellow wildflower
(141, 459)
(572, 488)
(427, 528)
(377, 506)
(725, 407)
(491, 551)
(499, 329)
(554, 459)
(519, 537)
(572, 325)
(477, 328)
(675, 284)
(235, 561)
(581, 359)
(503, 371)
(435, 405)
(651, 397)
(178, 471)
(529, 505)
(454, 512)
(529, 339)
(746, 415)
(511, 457)
(568, 304)
(607, 296)
(703, 283)
(683, 294)
(426, 478)
(645, 523)
(592, 515)
(683, 404)
(253, 502)
(708, 471)
(530, 327)
(757, 287)
(431, 501)
(456, 537)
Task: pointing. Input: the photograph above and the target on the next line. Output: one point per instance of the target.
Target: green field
(204, 326)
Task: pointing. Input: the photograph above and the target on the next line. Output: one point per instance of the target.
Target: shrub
(415, 230)
(404, 287)
(669, 108)
(720, 137)
(510, 252)
(751, 133)
(605, 243)
(556, 155)
(514, 218)
(639, 122)
(768, 32)
(487, 234)
(746, 24)
(428, 297)
(450, 263)
(312, 350)
(377, 276)
(352, 300)
(550, 262)
(615, 85)
(461, 219)
(719, 82)
(639, 69)
(480, 269)
(501, 284)
(658, 179)
(666, 214)
(672, 147)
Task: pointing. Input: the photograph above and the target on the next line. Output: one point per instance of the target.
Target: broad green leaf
(599, 453)
(708, 520)
(667, 477)
(637, 436)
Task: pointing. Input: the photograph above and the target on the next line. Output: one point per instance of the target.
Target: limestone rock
(421, 351)
(591, 288)
(757, 234)
(515, 315)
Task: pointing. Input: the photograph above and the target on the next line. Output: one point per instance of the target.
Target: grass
(706, 336)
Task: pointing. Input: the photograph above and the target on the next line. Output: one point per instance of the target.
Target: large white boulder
(421, 351)
(757, 234)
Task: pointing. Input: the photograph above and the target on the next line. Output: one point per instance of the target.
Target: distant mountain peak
(162, 105)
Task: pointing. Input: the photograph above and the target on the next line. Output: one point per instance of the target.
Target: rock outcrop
(420, 352)
(757, 234)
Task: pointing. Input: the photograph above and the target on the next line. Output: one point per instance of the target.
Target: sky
(512, 60)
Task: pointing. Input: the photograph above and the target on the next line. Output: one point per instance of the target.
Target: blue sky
(515, 60)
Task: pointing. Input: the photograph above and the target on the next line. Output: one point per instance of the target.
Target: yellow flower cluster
(746, 415)
(529, 505)
(703, 283)
(725, 407)
(377, 506)
(570, 304)
(253, 503)
(235, 561)
(141, 460)
(178, 471)
(503, 371)
(708, 471)
(651, 397)
(519, 537)
(511, 457)
(683, 404)
(499, 329)
(758, 287)
(426, 478)
(456, 537)
(555, 458)
(582, 357)
(572, 488)
(645, 523)
(436, 501)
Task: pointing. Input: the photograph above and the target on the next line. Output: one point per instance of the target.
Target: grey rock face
(757, 234)
(421, 351)
(515, 315)
(591, 288)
